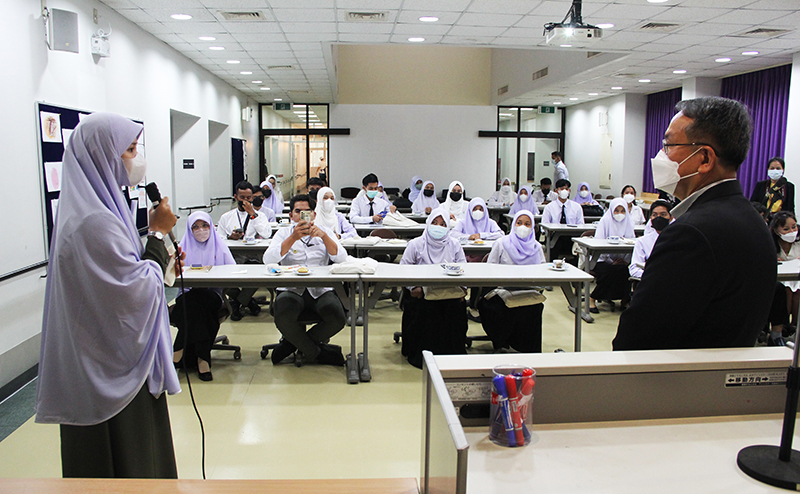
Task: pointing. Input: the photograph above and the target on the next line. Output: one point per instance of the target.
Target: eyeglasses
(667, 146)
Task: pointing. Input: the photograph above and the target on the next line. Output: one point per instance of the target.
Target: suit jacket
(760, 191)
(709, 281)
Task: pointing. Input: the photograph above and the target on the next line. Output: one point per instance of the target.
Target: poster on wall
(51, 126)
(52, 175)
(66, 134)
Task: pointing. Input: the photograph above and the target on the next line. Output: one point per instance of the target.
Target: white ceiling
(300, 33)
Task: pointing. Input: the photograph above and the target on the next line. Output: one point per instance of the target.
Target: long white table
(398, 246)
(365, 230)
(789, 270)
(554, 231)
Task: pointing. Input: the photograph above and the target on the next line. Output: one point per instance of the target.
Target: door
(238, 162)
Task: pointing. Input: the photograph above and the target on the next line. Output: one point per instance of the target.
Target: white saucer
(454, 273)
(554, 268)
(303, 274)
(254, 242)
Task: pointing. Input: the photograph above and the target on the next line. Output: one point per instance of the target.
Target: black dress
(202, 306)
(439, 326)
(613, 281)
(519, 328)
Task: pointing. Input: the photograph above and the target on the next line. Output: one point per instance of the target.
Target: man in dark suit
(710, 279)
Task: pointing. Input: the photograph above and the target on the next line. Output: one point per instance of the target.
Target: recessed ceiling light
(234, 61)
(593, 94)
(605, 26)
(573, 99)
(566, 46)
(181, 17)
(556, 102)
(416, 40)
(278, 99)
(656, 1)
(428, 18)
(616, 88)
(723, 60)
(679, 71)
(245, 72)
(749, 53)
(264, 89)
(644, 80)
(506, 114)
(256, 82)
(302, 106)
(207, 38)
(216, 48)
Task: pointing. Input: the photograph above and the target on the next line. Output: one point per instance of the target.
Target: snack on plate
(302, 270)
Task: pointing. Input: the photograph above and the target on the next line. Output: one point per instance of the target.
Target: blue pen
(502, 401)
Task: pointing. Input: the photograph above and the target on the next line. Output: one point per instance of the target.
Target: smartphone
(306, 216)
(238, 230)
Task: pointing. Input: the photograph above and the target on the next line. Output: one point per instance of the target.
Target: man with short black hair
(544, 195)
(711, 277)
(258, 203)
(370, 207)
(660, 217)
(313, 185)
(560, 171)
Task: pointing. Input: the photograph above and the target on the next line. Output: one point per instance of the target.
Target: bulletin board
(56, 124)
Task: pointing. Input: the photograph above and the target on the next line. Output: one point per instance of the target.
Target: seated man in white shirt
(544, 195)
(369, 208)
(566, 212)
(660, 217)
(243, 222)
(310, 245)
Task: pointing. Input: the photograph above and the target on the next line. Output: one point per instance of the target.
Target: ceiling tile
(439, 6)
(309, 27)
(137, 15)
(505, 6)
(476, 31)
(489, 20)
(748, 17)
(305, 37)
(364, 38)
(641, 12)
(684, 14)
(235, 4)
(420, 29)
(369, 5)
(178, 4)
(304, 15)
(259, 37)
(774, 5)
(365, 27)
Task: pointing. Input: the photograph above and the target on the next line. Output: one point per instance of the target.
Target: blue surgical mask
(372, 193)
(437, 232)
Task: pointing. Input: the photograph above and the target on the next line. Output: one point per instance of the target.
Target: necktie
(563, 214)
(371, 213)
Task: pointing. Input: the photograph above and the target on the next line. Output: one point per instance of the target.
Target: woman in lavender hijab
(521, 327)
(106, 353)
(436, 325)
(202, 306)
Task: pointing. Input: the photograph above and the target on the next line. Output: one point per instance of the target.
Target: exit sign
(282, 106)
(547, 109)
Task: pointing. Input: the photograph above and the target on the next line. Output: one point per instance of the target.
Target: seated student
(787, 297)
(521, 327)
(382, 194)
(201, 306)
(634, 211)
(235, 225)
(312, 187)
(477, 226)
(273, 181)
(258, 204)
(611, 271)
(454, 204)
(426, 202)
(272, 198)
(310, 245)
(505, 196)
(326, 215)
(544, 195)
(584, 196)
(436, 325)
(524, 201)
(564, 211)
(660, 217)
(416, 188)
(368, 208)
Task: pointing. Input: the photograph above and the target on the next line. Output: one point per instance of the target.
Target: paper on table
(52, 174)
(51, 126)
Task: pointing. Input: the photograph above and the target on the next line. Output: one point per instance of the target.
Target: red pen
(513, 400)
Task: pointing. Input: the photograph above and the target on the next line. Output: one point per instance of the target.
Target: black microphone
(155, 197)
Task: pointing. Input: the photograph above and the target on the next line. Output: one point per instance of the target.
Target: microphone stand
(775, 465)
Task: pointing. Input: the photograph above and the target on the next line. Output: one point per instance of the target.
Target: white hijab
(609, 227)
(456, 208)
(326, 218)
(503, 197)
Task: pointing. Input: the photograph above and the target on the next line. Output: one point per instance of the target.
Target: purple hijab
(469, 226)
(212, 252)
(273, 202)
(422, 201)
(522, 250)
(528, 205)
(105, 329)
(584, 200)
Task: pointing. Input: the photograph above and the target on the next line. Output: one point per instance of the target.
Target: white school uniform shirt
(538, 197)
(498, 254)
(359, 209)
(267, 211)
(794, 253)
(308, 251)
(498, 199)
(234, 219)
(637, 215)
(641, 253)
(561, 172)
(552, 212)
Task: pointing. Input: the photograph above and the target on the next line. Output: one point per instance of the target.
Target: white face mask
(665, 172)
(789, 237)
(584, 193)
(505, 189)
(523, 232)
(618, 217)
(523, 196)
(437, 232)
(328, 205)
(201, 234)
(563, 193)
(136, 168)
(775, 174)
(477, 215)
(629, 198)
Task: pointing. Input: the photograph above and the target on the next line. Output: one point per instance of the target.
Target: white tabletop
(604, 245)
(789, 270)
(403, 231)
(561, 228)
(255, 275)
(476, 274)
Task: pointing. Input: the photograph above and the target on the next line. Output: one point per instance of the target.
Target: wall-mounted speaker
(62, 30)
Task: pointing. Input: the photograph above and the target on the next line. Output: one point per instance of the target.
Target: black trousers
(612, 282)
(200, 328)
(779, 312)
(519, 328)
(439, 326)
(289, 306)
(135, 443)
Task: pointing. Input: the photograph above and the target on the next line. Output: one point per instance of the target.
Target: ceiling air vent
(592, 54)
(280, 67)
(502, 90)
(367, 16)
(540, 73)
(763, 32)
(256, 15)
(659, 27)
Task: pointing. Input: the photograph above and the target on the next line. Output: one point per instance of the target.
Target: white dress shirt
(268, 212)
(552, 212)
(359, 209)
(538, 197)
(308, 251)
(641, 253)
(234, 219)
(561, 172)
(637, 215)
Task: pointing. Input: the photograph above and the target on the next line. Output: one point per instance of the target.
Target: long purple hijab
(105, 330)
(273, 202)
(522, 250)
(528, 205)
(469, 225)
(212, 252)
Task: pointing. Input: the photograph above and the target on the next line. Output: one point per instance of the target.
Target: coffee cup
(614, 239)
(558, 263)
(452, 268)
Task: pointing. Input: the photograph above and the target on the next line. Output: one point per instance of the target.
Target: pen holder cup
(512, 399)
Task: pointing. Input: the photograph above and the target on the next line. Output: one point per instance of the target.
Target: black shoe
(776, 340)
(594, 310)
(473, 318)
(283, 350)
(254, 308)
(178, 365)
(205, 376)
(236, 311)
(789, 330)
(330, 355)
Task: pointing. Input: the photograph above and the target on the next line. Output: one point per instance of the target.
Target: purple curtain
(766, 94)
(660, 110)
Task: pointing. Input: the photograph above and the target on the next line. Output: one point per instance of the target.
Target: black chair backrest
(349, 192)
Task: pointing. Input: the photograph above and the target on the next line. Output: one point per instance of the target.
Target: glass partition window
(527, 137)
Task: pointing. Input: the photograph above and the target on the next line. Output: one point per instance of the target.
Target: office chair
(307, 318)
(348, 192)
(222, 342)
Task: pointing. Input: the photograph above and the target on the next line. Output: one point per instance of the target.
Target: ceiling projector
(573, 31)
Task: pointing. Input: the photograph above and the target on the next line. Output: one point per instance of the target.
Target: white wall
(396, 142)
(626, 118)
(142, 79)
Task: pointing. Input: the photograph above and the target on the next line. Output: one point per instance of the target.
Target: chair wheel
(396, 338)
(263, 354)
(237, 355)
(469, 343)
(298, 362)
